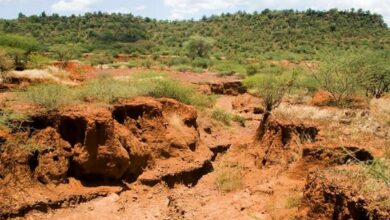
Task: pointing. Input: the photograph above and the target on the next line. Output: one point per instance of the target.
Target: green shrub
(380, 170)
(38, 61)
(197, 70)
(11, 119)
(147, 64)
(155, 56)
(239, 119)
(251, 70)
(222, 116)
(176, 61)
(306, 81)
(225, 67)
(201, 63)
(133, 64)
(101, 59)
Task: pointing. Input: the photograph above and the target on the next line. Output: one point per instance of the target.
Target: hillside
(274, 34)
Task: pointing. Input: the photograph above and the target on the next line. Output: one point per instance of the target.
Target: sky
(181, 9)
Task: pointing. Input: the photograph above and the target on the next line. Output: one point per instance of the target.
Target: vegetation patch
(12, 119)
(109, 90)
(49, 96)
(229, 177)
(226, 117)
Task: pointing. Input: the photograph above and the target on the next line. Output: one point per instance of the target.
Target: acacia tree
(342, 74)
(66, 52)
(198, 46)
(272, 89)
(374, 73)
(338, 75)
(18, 48)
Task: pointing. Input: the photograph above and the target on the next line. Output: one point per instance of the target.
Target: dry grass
(226, 117)
(109, 90)
(293, 201)
(372, 180)
(229, 177)
(380, 109)
(304, 112)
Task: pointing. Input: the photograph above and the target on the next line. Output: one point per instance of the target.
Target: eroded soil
(148, 158)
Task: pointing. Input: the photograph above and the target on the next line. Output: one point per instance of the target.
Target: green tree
(199, 46)
(272, 89)
(374, 73)
(19, 48)
(338, 75)
(66, 52)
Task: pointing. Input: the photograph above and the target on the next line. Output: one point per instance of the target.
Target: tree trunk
(263, 124)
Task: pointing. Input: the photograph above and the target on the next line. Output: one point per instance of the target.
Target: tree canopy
(269, 32)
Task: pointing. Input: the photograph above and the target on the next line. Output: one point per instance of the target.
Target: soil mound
(279, 142)
(247, 103)
(224, 88)
(334, 195)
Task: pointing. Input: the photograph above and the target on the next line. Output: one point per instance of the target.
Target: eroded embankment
(341, 194)
(145, 139)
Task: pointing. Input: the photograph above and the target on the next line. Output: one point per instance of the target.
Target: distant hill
(273, 33)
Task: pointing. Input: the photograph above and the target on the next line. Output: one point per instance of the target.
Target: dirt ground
(160, 159)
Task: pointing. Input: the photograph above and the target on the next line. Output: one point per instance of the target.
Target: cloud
(73, 5)
(125, 10)
(122, 10)
(140, 7)
(185, 8)
(182, 8)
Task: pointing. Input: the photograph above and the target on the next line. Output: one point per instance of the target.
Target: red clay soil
(189, 77)
(145, 139)
(333, 195)
(75, 68)
(280, 142)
